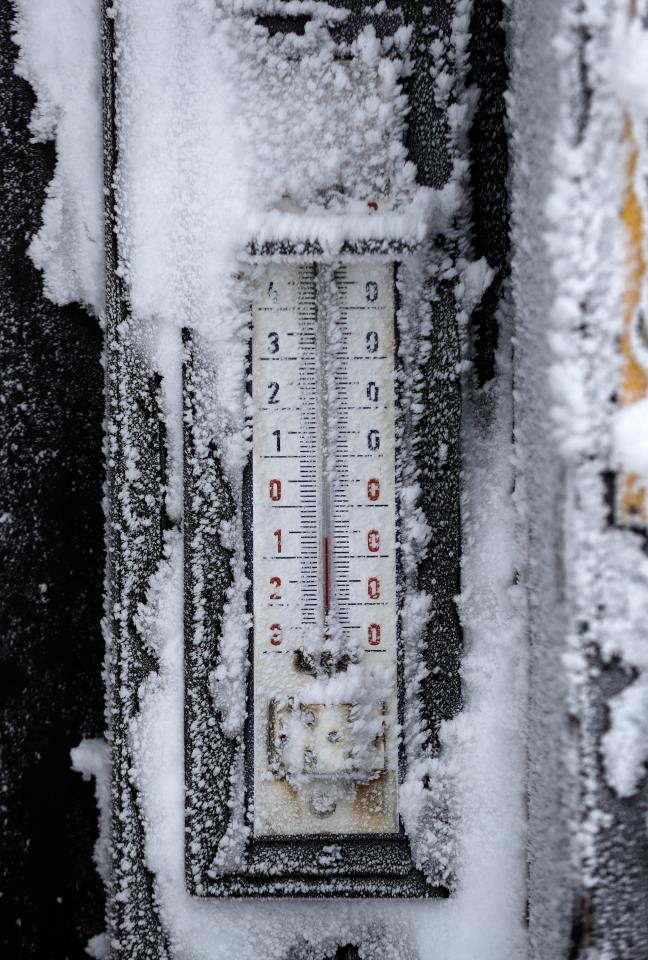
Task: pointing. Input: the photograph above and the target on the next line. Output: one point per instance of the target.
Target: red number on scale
(275, 490)
(275, 583)
(373, 488)
(277, 534)
(275, 634)
(373, 634)
(373, 541)
(373, 587)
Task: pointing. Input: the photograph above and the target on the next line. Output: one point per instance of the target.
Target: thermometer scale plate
(324, 551)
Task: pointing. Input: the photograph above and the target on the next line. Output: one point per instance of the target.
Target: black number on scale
(372, 341)
(372, 391)
(373, 440)
(371, 290)
(273, 337)
(273, 293)
(277, 435)
(274, 390)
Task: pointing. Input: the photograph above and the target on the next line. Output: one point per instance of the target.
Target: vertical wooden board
(210, 756)
(134, 549)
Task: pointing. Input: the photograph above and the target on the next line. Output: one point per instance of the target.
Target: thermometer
(324, 550)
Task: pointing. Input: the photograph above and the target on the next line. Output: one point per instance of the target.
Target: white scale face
(324, 551)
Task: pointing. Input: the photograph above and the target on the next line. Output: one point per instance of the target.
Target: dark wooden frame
(131, 388)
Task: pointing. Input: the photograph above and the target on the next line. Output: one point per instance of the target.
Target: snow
(630, 438)
(486, 743)
(207, 161)
(92, 760)
(626, 753)
(60, 56)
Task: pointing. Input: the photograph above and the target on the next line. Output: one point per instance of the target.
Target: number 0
(372, 341)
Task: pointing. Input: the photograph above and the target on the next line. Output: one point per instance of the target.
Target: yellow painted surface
(632, 499)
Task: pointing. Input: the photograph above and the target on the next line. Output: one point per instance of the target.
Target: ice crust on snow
(207, 156)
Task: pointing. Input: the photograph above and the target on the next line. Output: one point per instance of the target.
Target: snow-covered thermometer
(324, 550)
(321, 561)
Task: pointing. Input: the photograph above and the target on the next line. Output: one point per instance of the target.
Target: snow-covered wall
(534, 100)
(578, 115)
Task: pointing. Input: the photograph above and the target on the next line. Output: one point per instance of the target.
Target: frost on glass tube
(324, 551)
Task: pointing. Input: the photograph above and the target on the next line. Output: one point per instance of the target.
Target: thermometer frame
(359, 865)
